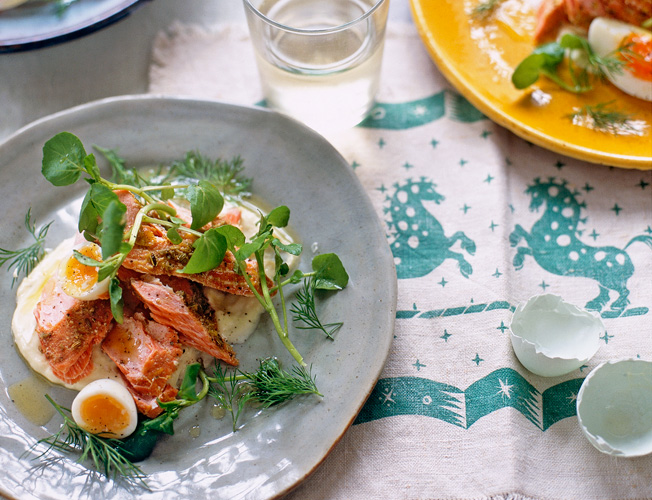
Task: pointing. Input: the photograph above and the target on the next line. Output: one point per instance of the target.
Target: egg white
(115, 391)
(605, 36)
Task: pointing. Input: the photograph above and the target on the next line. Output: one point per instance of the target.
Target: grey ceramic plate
(290, 165)
(35, 25)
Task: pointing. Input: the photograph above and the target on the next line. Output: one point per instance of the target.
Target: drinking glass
(319, 60)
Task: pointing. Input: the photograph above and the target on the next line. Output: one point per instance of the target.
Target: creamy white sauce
(237, 316)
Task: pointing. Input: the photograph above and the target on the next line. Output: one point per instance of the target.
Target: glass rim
(319, 31)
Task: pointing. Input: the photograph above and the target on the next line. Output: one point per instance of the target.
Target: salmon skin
(147, 354)
(181, 304)
(68, 328)
(155, 254)
(553, 13)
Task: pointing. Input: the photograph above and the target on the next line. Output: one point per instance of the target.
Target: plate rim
(392, 292)
(82, 28)
(503, 119)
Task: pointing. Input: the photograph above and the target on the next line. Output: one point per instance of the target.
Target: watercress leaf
(330, 272)
(259, 243)
(188, 389)
(297, 276)
(279, 217)
(570, 41)
(208, 254)
(90, 165)
(283, 269)
(95, 202)
(87, 261)
(139, 445)
(234, 237)
(113, 226)
(164, 422)
(105, 270)
(63, 159)
(545, 57)
(292, 248)
(206, 203)
(174, 236)
(115, 295)
(177, 220)
(167, 193)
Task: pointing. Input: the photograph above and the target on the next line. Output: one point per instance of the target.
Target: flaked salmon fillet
(155, 254)
(147, 354)
(580, 13)
(181, 304)
(68, 328)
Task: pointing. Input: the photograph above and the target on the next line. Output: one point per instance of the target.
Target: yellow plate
(478, 57)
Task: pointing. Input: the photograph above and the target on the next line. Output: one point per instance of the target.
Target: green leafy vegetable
(485, 8)
(104, 452)
(270, 385)
(24, 259)
(546, 60)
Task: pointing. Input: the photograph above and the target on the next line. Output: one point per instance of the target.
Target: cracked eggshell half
(551, 337)
(614, 407)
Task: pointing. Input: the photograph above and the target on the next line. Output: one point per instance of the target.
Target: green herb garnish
(269, 386)
(604, 118)
(104, 452)
(24, 259)
(546, 59)
(485, 8)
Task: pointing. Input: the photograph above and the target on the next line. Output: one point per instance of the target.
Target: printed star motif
(388, 397)
(648, 230)
(497, 274)
(572, 397)
(465, 208)
(502, 327)
(477, 360)
(354, 165)
(560, 164)
(419, 110)
(582, 367)
(489, 179)
(443, 282)
(493, 226)
(382, 189)
(445, 336)
(434, 143)
(407, 166)
(643, 184)
(486, 133)
(418, 365)
(544, 285)
(463, 162)
(511, 207)
(594, 235)
(505, 389)
(381, 143)
(616, 209)
(588, 187)
(606, 337)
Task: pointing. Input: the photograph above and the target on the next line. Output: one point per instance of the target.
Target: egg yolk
(638, 54)
(79, 277)
(102, 413)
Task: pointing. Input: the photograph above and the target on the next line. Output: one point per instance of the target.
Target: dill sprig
(485, 8)
(605, 118)
(225, 175)
(24, 259)
(102, 451)
(269, 386)
(304, 310)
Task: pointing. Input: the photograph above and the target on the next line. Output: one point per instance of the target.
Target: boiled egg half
(79, 280)
(608, 37)
(105, 407)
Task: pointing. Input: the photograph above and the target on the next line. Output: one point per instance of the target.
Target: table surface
(37, 83)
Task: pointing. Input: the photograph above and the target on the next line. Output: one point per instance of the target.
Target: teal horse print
(554, 244)
(417, 238)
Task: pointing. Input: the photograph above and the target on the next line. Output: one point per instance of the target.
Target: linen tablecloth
(454, 414)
